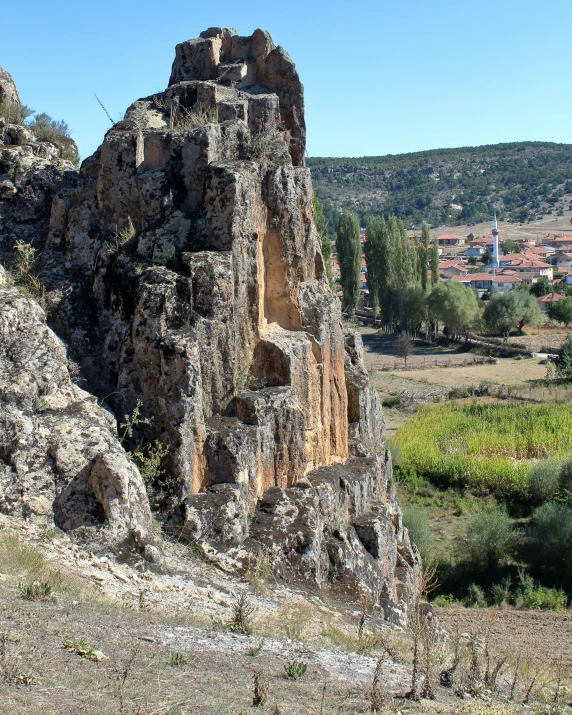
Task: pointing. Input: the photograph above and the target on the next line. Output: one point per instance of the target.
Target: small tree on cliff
(349, 256)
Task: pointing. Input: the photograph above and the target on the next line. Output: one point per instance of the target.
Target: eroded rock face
(31, 173)
(185, 270)
(60, 460)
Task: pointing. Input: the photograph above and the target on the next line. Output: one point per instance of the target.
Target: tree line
(404, 288)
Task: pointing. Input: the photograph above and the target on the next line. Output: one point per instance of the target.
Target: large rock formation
(186, 271)
(31, 172)
(59, 455)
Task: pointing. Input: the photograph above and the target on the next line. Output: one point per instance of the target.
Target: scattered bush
(24, 270)
(47, 129)
(500, 592)
(476, 596)
(531, 595)
(416, 520)
(544, 480)
(489, 538)
(266, 147)
(549, 547)
(396, 452)
(14, 112)
(188, 119)
(565, 477)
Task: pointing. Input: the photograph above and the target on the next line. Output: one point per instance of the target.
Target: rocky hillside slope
(183, 269)
(521, 181)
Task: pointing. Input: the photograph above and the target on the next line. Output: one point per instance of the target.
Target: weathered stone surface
(31, 172)
(183, 265)
(8, 91)
(59, 455)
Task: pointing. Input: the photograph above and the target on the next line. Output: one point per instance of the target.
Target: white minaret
(495, 243)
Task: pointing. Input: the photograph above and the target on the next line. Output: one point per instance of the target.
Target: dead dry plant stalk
(377, 696)
(423, 630)
(243, 610)
(514, 681)
(260, 688)
(122, 678)
(447, 675)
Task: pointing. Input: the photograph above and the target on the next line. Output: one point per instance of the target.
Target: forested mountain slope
(450, 186)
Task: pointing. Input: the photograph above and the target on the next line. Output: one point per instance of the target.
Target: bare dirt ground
(507, 372)
(84, 650)
(540, 635)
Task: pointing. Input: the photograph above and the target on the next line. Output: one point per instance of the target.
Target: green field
(485, 445)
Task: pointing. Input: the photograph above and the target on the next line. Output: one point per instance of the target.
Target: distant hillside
(521, 181)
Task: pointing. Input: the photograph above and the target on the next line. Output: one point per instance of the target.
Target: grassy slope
(493, 445)
(521, 180)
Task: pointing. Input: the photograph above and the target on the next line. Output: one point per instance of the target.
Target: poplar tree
(434, 261)
(349, 257)
(322, 228)
(378, 264)
(424, 255)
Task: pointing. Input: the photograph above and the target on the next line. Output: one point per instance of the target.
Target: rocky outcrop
(185, 270)
(31, 172)
(8, 91)
(60, 460)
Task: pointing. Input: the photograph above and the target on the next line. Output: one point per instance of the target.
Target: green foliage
(541, 287)
(560, 311)
(150, 459)
(434, 263)
(519, 178)
(348, 248)
(81, 647)
(455, 306)
(489, 537)
(510, 246)
(544, 480)
(513, 309)
(24, 270)
(534, 596)
(486, 445)
(48, 129)
(36, 591)
(475, 596)
(14, 112)
(377, 256)
(132, 421)
(565, 477)
(177, 659)
(549, 550)
(295, 669)
(416, 520)
(563, 363)
(323, 233)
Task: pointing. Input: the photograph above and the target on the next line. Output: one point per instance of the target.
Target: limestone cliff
(185, 270)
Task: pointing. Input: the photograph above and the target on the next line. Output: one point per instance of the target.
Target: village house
(564, 263)
(545, 300)
(450, 239)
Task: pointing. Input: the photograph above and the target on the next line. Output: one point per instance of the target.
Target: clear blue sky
(380, 77)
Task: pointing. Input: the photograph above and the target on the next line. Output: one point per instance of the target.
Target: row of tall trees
(408, 298)
(397, 269)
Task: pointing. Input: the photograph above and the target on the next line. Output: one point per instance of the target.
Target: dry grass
(507, 372)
